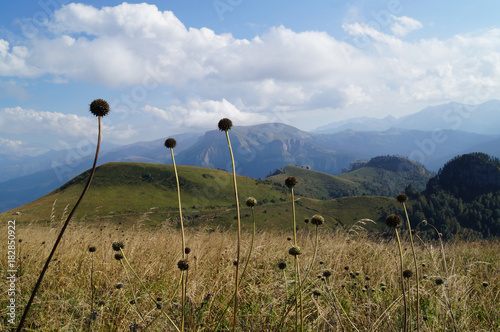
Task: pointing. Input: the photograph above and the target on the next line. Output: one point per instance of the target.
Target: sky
(173, 66)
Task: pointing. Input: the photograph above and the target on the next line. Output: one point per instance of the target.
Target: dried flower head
(117, 245)
(401, 198)
(486, 284)
(251, 202)
(317, 220)
(93, 315)
(225, 124)
(291, 181)
(187, 250)
(282, 265)
(295, 251)
(118, 256)
(170, 143)
(91, 249)
(316, 292)
(393, 221)
(306, 220)
(424, 222)
(183, 264)
(119, 285)
(327, 274)
(439, 281)
(407, 274)
(99, 107)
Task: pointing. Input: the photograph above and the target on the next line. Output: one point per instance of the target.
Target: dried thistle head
(118, 256)
(317, 220)
(282, 265)
(119, 285)
(401, 198)
(99, 107)
(251, 202)
(117, 245)
(187, 250)
(439, 281)
(291, 181)
(170, 143)
(225, 124)
(92, 249)
(327, 274)
(407, 274)
(183, 265)
(393, 221)
(294, 250)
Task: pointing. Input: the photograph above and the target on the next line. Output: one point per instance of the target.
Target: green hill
(381, 176)
(146, 193)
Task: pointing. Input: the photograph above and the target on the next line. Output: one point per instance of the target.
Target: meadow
(361, 289)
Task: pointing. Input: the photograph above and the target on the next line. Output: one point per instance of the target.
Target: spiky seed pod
(327, 274)
(225, 124)
(183, 264)
(282, 265)
(393, 221)
(407, 274)
(251, 202)
(99, 107)
(91, 249)
(401, 198)
(317, 220)
(118, 256)
(170, 143)
(119, 285)
(486, 284)
(117, 245)
(291, 181)
(439, 281)
(295, 251)
(187, 250)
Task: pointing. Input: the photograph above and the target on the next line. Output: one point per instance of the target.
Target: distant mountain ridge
(480, 119)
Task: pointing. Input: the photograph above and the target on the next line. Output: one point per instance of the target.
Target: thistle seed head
(317, 220)
(316, 292)
(327, 274)
(439, 281)
(407, 274)
(170, 143)
(291, 181)
(91, 249)
(282, 265)
(251, 202)
(183, 265)
(99, 107)
(306, 220)
(486, 284)
(295, 251)
(117, 245)
(187, 250)
(119, 285)
(225, 124)
(393, 221)
(401, 198)
(118, 256)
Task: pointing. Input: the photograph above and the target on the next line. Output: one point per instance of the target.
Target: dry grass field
(353, 285)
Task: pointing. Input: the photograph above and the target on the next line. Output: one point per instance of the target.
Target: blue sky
(175, 66)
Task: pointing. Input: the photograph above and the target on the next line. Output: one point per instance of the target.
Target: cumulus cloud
(205, 114)
(404, 25)
(8, 146)
(137, 45)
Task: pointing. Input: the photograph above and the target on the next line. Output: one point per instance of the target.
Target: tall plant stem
(46, 266)
(405, 326)
(184, 275)
(236, 279)
(298, 292)
(416, 268)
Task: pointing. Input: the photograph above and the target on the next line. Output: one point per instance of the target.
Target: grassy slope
(132, 192)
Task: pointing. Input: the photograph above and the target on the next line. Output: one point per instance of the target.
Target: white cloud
(133, 45)
(8, 146)
(205, 114)
(404, 25)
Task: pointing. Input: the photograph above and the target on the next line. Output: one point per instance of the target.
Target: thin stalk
(183, 297)
(416, 268)
(59, 237)
(298, 293)
(402, 280)
(236, 279)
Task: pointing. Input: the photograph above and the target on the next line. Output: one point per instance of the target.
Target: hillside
(464, 197)
(145, 194)
(381, 176)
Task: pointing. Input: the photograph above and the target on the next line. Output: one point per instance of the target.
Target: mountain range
(261, 149)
